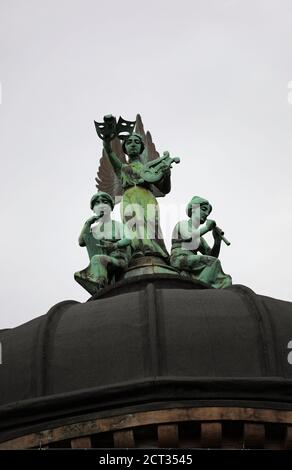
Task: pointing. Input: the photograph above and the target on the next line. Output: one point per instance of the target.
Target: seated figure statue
(188, 242)
(107, 248)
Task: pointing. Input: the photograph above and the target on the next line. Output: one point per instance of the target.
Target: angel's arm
(113, 158)
(164, 166)
(164, 184)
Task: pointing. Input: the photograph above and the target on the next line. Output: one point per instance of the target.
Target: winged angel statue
(133, 173)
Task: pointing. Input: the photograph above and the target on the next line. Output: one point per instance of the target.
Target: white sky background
(211, 81)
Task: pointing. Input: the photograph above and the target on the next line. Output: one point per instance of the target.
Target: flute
(221, 235)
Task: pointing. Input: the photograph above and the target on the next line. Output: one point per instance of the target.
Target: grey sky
(210, 79)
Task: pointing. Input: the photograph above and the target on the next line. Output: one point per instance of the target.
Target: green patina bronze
(140, 179)
(107, 248)
(188, 242)
(132, 172)
(139, 200)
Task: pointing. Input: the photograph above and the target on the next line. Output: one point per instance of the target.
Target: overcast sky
(211, 81)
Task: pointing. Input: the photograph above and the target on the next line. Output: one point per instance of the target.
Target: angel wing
(106, 179)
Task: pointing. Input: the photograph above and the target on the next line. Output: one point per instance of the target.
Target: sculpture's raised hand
(92, 220)
(216, 235)
(210, 224)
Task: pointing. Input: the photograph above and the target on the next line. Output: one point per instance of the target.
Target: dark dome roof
(151, 339)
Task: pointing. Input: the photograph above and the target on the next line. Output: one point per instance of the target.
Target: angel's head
(133, 145)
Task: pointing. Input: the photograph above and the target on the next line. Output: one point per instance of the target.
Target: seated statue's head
(198, 209)
(101, 203)
(133, 145)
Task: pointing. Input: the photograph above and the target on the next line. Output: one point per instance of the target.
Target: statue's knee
(217, 263)
(179, 262)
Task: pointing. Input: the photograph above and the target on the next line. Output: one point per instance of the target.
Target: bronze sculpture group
(132, 172)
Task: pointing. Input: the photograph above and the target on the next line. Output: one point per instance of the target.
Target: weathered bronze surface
(106, 246)
(188, 242)
(132, 172)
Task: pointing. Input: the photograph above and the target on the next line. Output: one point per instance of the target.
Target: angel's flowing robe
(140, 211)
